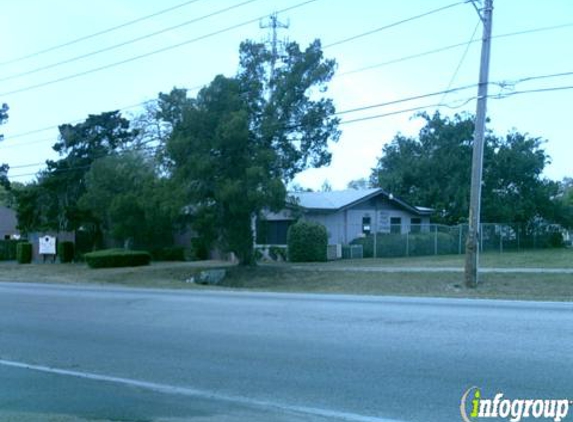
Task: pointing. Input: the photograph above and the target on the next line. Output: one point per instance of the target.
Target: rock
(209, 277)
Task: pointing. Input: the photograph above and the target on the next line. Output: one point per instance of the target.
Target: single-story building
(347, 215)
(8, 223)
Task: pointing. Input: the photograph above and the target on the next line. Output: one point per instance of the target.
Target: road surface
(149, 355)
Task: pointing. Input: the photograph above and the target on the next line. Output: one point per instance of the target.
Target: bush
(8, 250)
(24, 252)
(171, 253)
(113, 258)
(66, 251)
(307, 242)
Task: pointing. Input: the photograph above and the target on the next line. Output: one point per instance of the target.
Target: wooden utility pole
(474, 235)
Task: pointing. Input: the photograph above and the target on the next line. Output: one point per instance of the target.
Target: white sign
(47, 245)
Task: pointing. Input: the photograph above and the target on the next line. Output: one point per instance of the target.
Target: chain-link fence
(436, 239)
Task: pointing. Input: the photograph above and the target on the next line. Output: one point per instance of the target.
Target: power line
(376, 116)
(462, 59)
(123, 44)
(96, 34)
(151, 53)
(453, 46)
(394, 24)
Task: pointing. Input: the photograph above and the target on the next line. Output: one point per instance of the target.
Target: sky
(386, 57)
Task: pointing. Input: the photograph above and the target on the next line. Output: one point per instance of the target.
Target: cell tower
(274, 24)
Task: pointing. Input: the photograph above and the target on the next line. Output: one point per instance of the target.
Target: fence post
(407, 243)
(435, 239)
(501, 239)
(460, 239)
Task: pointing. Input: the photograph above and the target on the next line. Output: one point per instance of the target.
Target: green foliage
(170, 253)
(52, 202)
(235, 146)
(277, 253)
(8, 250)
(112, 258)
(412, 244)
(66, 251)
(433, 169)
(307, 242)
(130, 201)
(24, 253)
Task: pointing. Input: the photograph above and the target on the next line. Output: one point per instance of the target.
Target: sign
(47, 245)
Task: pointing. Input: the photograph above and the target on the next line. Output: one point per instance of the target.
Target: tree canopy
(433, 169)
(242, 139)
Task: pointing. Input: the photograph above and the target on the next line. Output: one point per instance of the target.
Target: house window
(366, 225)
(395, 225)
(415, 225)
(272, 232)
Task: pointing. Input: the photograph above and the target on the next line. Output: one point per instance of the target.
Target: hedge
(307, 242)
(24, 252)
(66, 251)
(113, 258)
(8, 250)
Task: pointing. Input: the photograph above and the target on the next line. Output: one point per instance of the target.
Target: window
(366, 225)
(272, 232)
(395, 225)
(415, 225)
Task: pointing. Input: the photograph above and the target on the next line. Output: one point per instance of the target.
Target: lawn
(327, 277)
(547, 258)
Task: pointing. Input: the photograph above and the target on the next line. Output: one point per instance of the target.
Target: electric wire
(96, 34)
(124, 43)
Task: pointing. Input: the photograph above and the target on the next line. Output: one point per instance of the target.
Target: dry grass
(284, 278)
(552, 287)
(548, 258)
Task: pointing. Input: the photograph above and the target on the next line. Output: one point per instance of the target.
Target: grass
(326, 279)
(159, 275)
(548, 258)
(552, 287)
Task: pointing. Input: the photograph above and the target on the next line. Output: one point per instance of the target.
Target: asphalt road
(148, 355)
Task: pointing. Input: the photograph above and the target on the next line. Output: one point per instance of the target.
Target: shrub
(24, 252)
(277, 253)
(8, 250)
(112, 258)
(171, 253)
(307, 242)
(66, 251)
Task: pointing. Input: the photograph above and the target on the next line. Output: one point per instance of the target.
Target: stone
(209, 277)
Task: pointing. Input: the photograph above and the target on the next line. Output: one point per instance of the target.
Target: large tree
(242, 139)
(133, 204)
(433, 169)
(52, 201)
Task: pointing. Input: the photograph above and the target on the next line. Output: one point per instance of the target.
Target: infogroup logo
(474, 407)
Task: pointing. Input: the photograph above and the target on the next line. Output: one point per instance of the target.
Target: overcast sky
(372, 69)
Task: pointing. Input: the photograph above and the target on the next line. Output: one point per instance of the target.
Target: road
(150, 355)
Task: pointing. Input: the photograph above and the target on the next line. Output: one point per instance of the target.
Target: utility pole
(474, 235)
(274, 24)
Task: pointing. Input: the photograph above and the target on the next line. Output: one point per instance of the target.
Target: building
(347, 215)
(8, 223)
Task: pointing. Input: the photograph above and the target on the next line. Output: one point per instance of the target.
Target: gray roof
(336, 200)
(332, 200)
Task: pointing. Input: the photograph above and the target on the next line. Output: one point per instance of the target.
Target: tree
(132, 203)
(243, 139)
(564, 203)
(358, 184)
(52, 201)
(433, 169)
